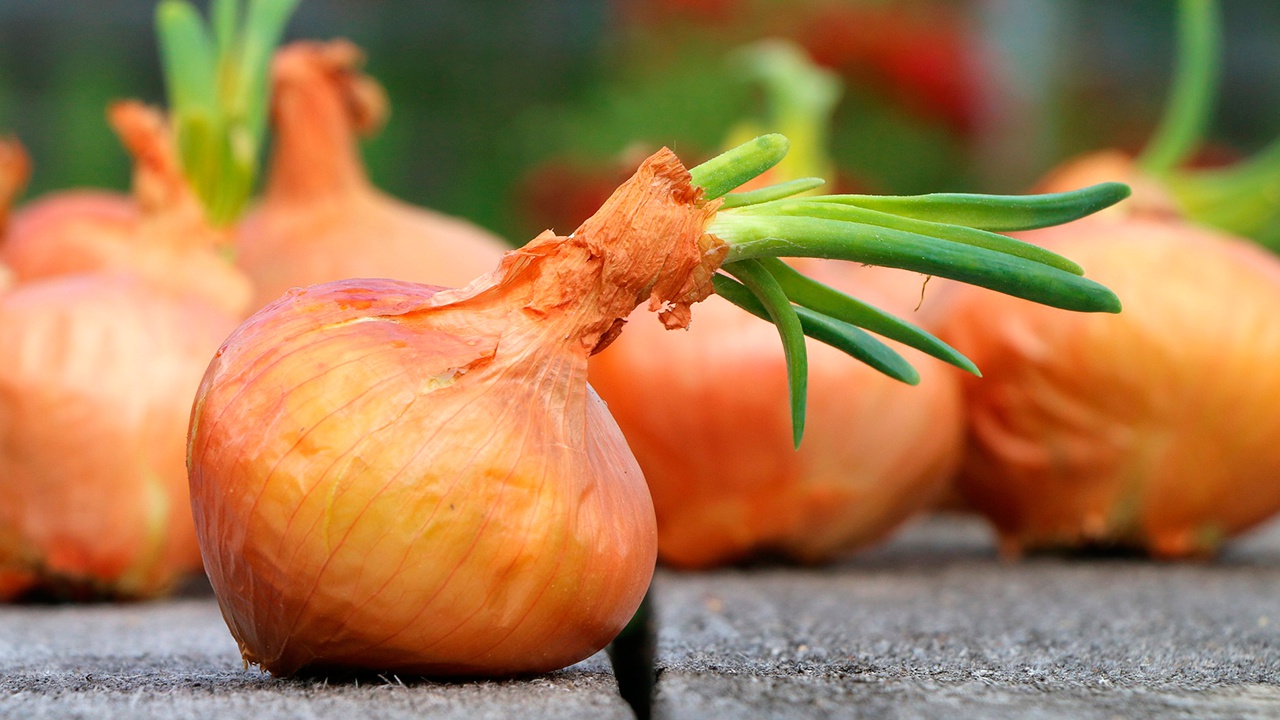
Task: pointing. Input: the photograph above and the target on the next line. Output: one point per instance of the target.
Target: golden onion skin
(96, 372)
(1154, 429)
(706, 414)
(380, 487)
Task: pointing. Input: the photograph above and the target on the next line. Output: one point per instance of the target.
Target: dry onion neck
(955, 236)
(216, 81)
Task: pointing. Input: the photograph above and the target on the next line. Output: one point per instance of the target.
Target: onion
(96, 372)
(394, 477)
(49, 235)
(705, 414)
(161, 234)
(118, 306)
(433, 487)
(1151, 430)
(726, 482)
(321, 218)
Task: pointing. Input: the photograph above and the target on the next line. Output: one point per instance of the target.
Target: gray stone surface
(176, 660)
(935, 626)
(931, 626)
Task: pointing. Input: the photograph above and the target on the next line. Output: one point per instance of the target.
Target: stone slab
(933, 625)
(175, 660)
(936, 626)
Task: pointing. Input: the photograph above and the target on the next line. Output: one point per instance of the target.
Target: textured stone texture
(931, 626)
(935, 626)
(176, 660)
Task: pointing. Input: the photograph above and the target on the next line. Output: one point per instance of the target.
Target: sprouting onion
(321, 218)
(390, 476)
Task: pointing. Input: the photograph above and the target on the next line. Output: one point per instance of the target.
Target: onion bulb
(96, 373)
(161, 233)
(1152, 430)
(390, 476)
(431, 486)
(321, 219)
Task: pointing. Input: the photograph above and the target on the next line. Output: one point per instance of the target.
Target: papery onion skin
(1151, 430)
(706, 414)
(390, 477)
(159, 232)
(96, 372)
(321, 219)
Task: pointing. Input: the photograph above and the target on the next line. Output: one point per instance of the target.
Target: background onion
(96, 372)
(1151, 430)
(161, 233)
(321, 219)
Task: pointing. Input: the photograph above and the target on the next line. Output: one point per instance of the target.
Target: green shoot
(1195, 83)
(949, 235)
(217, 79)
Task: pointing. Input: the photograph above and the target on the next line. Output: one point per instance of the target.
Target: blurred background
(516, 113)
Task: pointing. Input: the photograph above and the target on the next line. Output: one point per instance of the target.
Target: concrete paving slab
(175, 660)
(935, 626)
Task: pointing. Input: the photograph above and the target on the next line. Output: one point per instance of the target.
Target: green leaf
(765, 236)
(225, 14)
(954, 233)
(733, 168)
(264, 27)
(1195, 84)
(799, 98)
(999, 213)
(842, 336)
(766, 289)
(813, 295)
(771, 192)
(187, 56)
(1243, 198)
(218, 98)
(197, 138)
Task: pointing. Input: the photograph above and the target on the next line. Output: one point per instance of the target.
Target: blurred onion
(321, 219)
(160, 232)
(97, 373)
(1153, 429)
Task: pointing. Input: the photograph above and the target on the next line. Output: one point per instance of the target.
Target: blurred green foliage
(485, 92)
